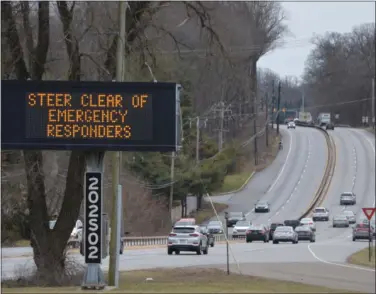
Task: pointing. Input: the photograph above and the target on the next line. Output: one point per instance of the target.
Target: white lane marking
(301, 177)
(373, 148)
(283, 167)
(355, 167)
(338, 264)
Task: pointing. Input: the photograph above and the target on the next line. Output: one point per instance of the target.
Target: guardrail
(162, 240)
(319, 197)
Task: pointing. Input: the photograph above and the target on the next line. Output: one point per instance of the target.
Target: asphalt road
(355, 171)
(289, 184)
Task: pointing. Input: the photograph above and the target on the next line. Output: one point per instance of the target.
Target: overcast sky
(308, 18)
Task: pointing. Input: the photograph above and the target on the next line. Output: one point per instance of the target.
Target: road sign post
(369, 212)
(93, 193)
(369, 242)
(93, 117)
(227, 249)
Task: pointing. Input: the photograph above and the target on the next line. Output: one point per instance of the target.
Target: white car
(241, 228)
(187, 238)
(291, 125)
(351, 216)
(307, 221)
(320, 213)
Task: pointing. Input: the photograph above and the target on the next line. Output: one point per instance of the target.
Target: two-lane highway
(290, 182)
(354, 172)
(294, 190)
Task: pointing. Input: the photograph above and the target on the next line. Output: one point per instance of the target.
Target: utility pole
(278, 105)
(303, 101)
(373, 103)
(255, 153)
(266, 120)
(222, 117)
(197, 139)
(113, 277)
(273, 104)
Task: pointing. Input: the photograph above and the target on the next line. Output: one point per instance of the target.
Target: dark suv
(234, 217)
(330, 126)
(273, 226)
(292, 223)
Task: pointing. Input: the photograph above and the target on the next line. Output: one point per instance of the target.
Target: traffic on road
(334, 230)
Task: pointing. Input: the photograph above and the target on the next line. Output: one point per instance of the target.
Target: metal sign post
(369, 242)
(92, 247)
(369, 212)
(119, 209)
(227, 249)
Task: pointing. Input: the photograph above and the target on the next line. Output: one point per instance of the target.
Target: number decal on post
(93, 217)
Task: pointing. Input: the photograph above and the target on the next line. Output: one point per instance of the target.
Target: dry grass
(191, 280)
(206, 212)
(362, 258)
(21, 243)
(233, 182)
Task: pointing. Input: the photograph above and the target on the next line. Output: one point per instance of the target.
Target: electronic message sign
(64, 115)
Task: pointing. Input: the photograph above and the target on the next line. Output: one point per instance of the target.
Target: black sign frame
(93, 185)
(166, 122)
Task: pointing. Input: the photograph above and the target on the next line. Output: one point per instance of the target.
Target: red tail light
(248, 232)
(262, 231)
(172, 235)
(362, 229)
(194, 235)
(311, 223)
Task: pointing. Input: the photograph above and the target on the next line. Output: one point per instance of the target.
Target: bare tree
(339, 71)
(77, 41)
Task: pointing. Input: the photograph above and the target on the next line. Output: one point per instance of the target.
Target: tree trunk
(49, 257)
(48, 253)
(199, 201)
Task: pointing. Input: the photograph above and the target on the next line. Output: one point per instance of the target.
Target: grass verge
(371, 130)
(190, 281)
(361, 258)
(234, 182)
(206, 212)
(18, 243)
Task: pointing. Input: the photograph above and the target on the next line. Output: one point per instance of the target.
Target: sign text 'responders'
(93, 217)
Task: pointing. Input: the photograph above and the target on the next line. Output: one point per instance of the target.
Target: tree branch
(71, 43)
(43, 42)
(14, 42)
(25, 8)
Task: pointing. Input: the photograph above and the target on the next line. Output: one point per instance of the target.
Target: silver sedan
(285, 234)
(340, 221)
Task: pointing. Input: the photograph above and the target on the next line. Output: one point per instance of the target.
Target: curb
(128, 248)
(237, 190)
